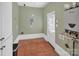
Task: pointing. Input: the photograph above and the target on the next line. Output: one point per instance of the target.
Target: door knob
(2, 39)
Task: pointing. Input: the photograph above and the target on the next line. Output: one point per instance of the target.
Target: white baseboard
(61, 51)
(29, 36)
(45, 37)
(58, 49)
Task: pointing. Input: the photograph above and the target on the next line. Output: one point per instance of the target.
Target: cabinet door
(6, 28)
(6, 19)
(0, 21)
(0, 32)
(7, 46)
(0, 29)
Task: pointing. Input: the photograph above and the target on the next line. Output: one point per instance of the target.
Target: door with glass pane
(51, 27)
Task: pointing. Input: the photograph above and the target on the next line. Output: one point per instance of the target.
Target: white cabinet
(0, 27)
(6, 28)
(7, 46)
(6, 19)
(72, 16)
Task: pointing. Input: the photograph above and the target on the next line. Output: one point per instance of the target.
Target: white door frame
(51, 34)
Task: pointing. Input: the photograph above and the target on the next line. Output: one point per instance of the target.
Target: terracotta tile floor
(35, 47)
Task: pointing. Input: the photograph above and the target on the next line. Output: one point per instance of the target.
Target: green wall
(21, 16)
(20, 20)
(15, 19)
(25, 14)
(58, 7)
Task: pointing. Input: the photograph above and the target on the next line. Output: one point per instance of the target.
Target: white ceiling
(33, 4)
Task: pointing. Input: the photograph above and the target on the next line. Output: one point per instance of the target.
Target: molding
(45, 37)
(28, 36)
(61, 51)
(58, 49)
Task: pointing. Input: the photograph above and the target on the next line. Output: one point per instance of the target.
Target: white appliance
(72, 17)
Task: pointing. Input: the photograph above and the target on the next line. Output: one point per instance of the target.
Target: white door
(51, 27)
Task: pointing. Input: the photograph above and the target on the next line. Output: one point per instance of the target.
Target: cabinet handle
(2, 47)
(2, 39)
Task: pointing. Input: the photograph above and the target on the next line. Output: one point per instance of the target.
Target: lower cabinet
(7, 47)
(0, 49)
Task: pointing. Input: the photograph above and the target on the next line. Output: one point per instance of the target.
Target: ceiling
(33, 4)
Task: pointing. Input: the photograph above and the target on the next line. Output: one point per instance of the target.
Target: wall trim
(45, 37)
(61, 51)
(28, 36)
(58, 49)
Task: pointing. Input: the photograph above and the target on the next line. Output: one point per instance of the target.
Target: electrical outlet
(61, 37)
